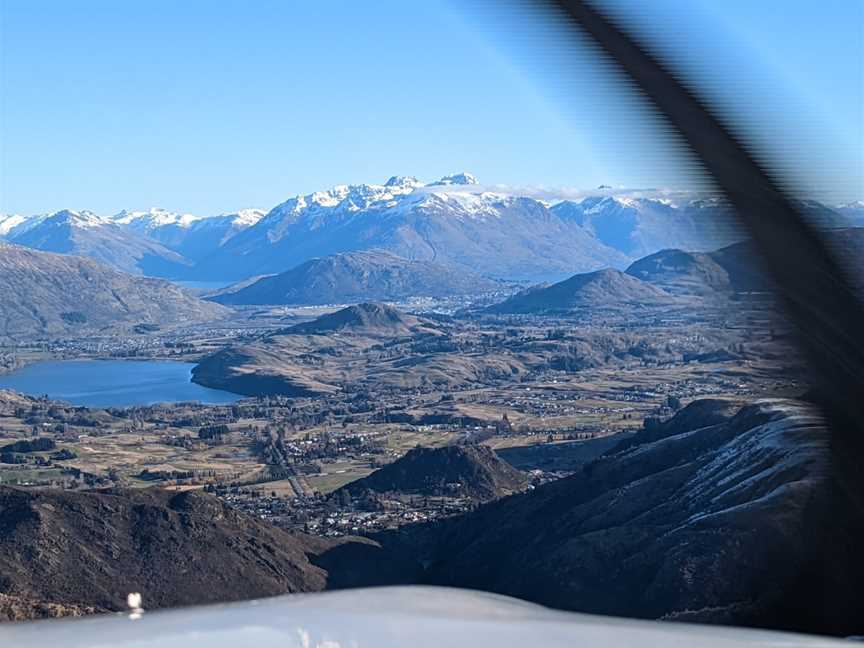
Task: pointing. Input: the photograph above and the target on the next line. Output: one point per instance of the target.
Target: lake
(113, 383)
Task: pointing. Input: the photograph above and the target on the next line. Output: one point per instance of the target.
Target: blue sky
(206, 106)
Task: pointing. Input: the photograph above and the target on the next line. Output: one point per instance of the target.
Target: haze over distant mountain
(53, 294)
(501, 232)
(192, 236)
(85, 234)
(358, 276)
(590, 291)
(853, 212)
(464, 225)
(682, 273)
(638, 226)
(734, 268)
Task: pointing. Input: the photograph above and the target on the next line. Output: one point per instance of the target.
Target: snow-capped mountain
(83, 233)
(853, 212)
(640, 226)
(499, 232)
(9, 222)
(145, 222)
(14, 224)
(190, 235)
(463, 178)
(455, 221)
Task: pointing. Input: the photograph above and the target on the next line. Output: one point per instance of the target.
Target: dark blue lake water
(110, 383)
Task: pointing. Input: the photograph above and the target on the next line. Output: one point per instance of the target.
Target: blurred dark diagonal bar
(814, 285)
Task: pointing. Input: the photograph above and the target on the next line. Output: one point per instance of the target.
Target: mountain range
(496, 232)
(86, 234)
(663, 279)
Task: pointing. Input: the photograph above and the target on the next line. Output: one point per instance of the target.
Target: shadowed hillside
(67, 552)
(468, 471)
(713, 519)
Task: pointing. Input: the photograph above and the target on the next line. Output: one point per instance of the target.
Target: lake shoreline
(122, 383)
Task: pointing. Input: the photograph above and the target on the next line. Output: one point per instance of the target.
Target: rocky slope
(466, 471)
(54, 294)
(64, 552)
(356, 277)
(726, 519)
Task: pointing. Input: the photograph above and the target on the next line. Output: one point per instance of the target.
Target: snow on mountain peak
(463, 178)
(247, 217)
(348, 198)
(83, 219)
(403, 182)
(8, 222)
(153, 218)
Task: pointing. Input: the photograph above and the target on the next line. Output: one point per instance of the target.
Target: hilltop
(731, 269)
(594, 290)
(365, 318)
(467, 471)
(290, 362)
(356, 277)
(682, 273)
